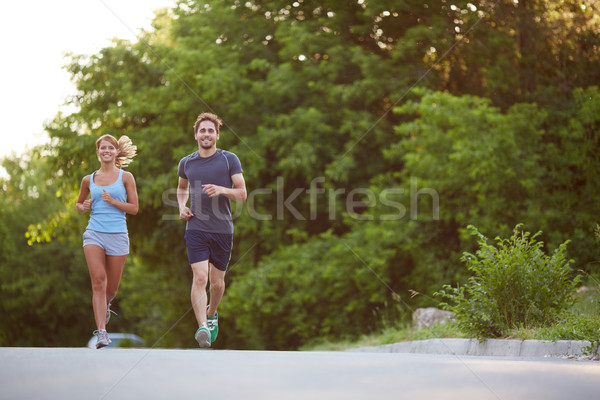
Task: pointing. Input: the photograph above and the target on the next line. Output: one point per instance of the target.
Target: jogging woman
(106, 241)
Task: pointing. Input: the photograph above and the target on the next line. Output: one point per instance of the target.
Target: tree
(44, 296)
(318, 104)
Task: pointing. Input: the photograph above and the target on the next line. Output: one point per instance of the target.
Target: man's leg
(196, 243)
(198, 293)
(220, 253)
(217, 289)
(199, 299)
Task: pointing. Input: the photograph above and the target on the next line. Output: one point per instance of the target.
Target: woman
(105, 241)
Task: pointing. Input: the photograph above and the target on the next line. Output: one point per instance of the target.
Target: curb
(492, 347)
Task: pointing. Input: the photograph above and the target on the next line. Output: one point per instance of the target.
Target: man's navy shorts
(211, 246)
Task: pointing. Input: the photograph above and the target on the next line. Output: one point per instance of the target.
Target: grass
(580, 322)
(388, 335)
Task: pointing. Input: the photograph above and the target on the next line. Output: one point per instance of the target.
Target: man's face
(207, 135)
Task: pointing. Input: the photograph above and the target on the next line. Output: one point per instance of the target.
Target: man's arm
(183, 195)
(237, 193)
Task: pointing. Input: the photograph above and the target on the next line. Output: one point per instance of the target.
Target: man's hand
(185, 214)
(213, 190)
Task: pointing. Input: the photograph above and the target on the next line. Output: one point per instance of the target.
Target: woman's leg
(96, 261)
(114, 270)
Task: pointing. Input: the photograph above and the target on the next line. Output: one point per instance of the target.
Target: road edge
(581, 349)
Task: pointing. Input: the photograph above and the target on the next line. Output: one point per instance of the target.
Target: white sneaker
(108, 311)
(102, 337)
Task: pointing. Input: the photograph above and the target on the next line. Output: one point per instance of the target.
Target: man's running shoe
(203, 337)
(102, 338)
(108, 311)
(213, 326)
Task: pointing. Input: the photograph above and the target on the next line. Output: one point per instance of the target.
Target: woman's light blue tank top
(105, 217)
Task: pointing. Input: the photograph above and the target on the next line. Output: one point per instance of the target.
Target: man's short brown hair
(205, 116)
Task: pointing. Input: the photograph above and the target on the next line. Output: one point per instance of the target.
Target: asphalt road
(79, 373)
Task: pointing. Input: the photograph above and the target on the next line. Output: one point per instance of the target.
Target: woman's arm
(83, 203)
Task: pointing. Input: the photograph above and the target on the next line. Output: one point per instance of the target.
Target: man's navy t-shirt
(210, 215)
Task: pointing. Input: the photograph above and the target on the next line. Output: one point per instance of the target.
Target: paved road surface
(59, 373)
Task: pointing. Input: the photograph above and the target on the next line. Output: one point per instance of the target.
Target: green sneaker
(203, 337)
(213, 326)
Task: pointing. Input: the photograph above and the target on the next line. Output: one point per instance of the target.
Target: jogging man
(212, 177)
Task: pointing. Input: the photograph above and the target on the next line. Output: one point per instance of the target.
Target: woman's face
(106, 151)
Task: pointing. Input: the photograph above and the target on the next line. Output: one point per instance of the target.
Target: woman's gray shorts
(114, 244)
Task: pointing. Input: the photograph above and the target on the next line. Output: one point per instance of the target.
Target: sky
(35, 35)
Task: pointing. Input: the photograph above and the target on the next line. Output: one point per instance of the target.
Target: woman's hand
(85, 206)
(107, 197)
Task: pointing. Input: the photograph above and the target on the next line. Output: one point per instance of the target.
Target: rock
(426, 317)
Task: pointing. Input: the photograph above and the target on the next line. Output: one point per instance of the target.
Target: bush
(514, 284)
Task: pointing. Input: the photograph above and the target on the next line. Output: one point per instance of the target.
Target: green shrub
(571, 327)
(513, 284)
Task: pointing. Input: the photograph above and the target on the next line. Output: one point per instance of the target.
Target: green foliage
(477, 158)
(580, 321)
(512, 284)
(156, 304)
(325, 287)
(570, 159)
(393, 333)
(571, 327)
(45, 287)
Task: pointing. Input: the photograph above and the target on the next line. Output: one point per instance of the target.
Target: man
(213, 177)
